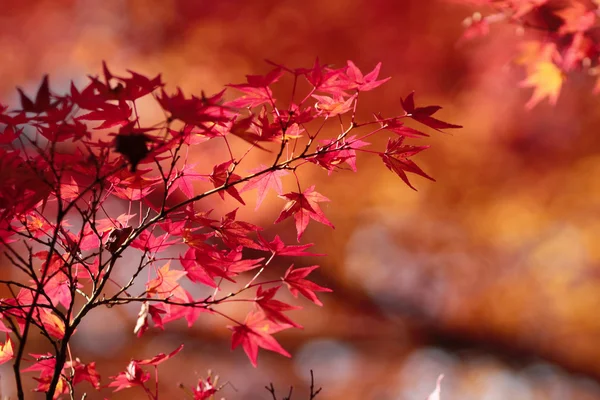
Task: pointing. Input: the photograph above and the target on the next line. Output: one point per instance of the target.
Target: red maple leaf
(303, 206)
(256, 91)
(184, 180)
(205, 263)
(256, 332)
(366, 82)
(398, 127)
(133, 375)
(278, 248)
(321, 77)
(396, 159)
(154, 244)
(204, 390)
(221, 175)
(273, 309)
(111, 114)
(332, 106)
(174, 312)
(45, 364)
(84, 372)
(333, 152)
(128, 88)
(201, 112)
(160, 357)
(243, 128)
(9, 134)
(294, 279)
(235, 233)
(262, 183)
(424, 114)
(42, 99)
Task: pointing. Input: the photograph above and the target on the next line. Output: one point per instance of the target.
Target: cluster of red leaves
(65, 157)
(563, 36)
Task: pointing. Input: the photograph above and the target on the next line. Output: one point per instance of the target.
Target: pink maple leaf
(296, 283)
(262, 183)
(304, 206)
(256, 332)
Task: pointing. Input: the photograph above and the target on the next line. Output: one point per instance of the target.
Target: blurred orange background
(490, 276)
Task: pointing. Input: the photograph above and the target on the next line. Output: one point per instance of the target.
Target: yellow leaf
(546, 79)
(6, 350)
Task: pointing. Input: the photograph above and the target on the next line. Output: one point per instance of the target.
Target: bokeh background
(491, 275)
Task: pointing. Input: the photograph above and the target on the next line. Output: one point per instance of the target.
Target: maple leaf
(51, 322)
(111, 114)
(201, 112)
(264, 80)
(116, 237)
(45, 364)
(235, 233)
(141, 324)
(165, 284)
(131, 142)
(133, 375)
(366, 82)
(256, 332)
(294, 279)
(84, 372)
(241, 128)
(543, 75)
(396, 159)
(398, 127)
(262, 183)
(253, 97)
(277, 247)
(9, 134)
(195, 239)
(256, 91)
(42, 99)
(324, 79)
(333, 152)
(146, 241)
(196, 272)
(273, 309)
(133, 187)
(206, 263)
(62, 386)
(546, 79)
(184, 180)
(160, 357)
(155, 312)
(304, 206)
(58, 289)
(6, 351)
(424, 114)
(332, 106)
(204, 389)
(577, 17)
(221, 175)
(173, 312)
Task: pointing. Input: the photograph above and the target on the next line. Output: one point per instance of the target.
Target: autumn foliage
(64, 157)
(558, 37)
